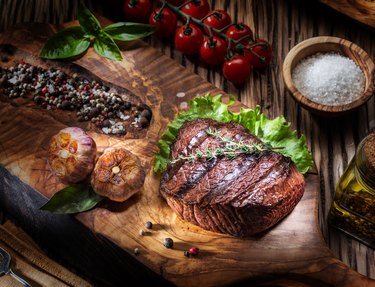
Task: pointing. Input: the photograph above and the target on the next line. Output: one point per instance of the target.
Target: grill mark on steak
(249, 178)
(277, 174)
(188, 134)
(196, 176)
(212, 184)
(241, 197)
(190, 177)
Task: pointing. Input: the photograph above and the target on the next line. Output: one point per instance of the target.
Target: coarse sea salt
(329, 78)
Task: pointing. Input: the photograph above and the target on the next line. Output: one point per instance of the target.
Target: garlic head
(118, 174)
(71, 154)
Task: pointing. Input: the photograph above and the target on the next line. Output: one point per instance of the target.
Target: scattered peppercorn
(146, 113)
(168, 242)
(187, 253)
(148, 225)
(136, 251)
(141, 232)
(194, 251)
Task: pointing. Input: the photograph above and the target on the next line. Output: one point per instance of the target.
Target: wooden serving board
(294, 247)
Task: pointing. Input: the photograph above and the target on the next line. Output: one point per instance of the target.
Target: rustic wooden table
(283, 23)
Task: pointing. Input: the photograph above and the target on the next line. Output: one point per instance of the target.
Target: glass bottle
(353, 206)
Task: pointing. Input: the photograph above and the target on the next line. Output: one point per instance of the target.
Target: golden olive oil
(353, 206)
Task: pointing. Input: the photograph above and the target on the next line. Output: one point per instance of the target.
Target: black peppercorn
(168, 242)
(127, 105)
(65, 105)
(106, 123)
(148, 225)
(146, 113)
(94, 112)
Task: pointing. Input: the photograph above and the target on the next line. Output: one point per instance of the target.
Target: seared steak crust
(241, 196)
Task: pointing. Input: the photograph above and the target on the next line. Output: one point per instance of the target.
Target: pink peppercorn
(194, 251)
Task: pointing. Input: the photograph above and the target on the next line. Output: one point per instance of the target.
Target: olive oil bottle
(353, 206)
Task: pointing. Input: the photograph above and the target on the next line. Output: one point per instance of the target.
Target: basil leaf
(67, 43)
(72, 199)
(88, 22)
(128, 31)
(106, 47)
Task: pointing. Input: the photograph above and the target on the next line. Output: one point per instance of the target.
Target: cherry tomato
(261, 54)
(237, 69)
(213, 51)
(238, 31)
(137, 10)
(188, 39)
(197, 9)
(165, 20)
(218, 19)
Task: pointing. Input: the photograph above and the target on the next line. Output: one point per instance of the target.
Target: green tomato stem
(262, 59)
(199, 22)
(157, 16)
(211, 30)
(133, 3)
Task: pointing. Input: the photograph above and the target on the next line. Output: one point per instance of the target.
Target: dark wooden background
(284, 23)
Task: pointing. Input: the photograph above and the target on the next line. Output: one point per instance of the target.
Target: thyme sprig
(228, 148)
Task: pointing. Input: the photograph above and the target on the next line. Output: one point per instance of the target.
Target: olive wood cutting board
(295, 246)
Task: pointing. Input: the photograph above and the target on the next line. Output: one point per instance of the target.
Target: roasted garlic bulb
(71, 154)
(118, 174)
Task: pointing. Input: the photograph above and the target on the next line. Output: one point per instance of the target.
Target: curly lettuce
(276, 133)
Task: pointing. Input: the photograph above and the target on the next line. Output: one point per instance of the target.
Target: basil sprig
(74, 41)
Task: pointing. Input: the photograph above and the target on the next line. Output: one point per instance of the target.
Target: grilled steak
(241, 196)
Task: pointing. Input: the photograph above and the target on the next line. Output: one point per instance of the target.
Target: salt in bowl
(326, 44)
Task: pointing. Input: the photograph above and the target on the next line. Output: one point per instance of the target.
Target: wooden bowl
(325, 44)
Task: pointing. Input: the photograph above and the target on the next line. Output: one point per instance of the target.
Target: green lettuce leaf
(276, 133)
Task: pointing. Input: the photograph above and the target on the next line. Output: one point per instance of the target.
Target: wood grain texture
(326, 44)
(284, 23)
(91, 255)
(360, 10)
(223, 259)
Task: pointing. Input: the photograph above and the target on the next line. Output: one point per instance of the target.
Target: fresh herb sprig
(74, 41)
(230, 148)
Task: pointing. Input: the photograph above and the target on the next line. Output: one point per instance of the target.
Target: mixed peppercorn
(92, 101)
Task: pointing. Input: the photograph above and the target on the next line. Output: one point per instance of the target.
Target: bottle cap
(369, 151)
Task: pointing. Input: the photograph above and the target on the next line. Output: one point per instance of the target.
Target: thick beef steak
(240, 196)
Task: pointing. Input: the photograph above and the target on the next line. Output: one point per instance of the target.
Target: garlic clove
(118, 174)
(71, 154)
